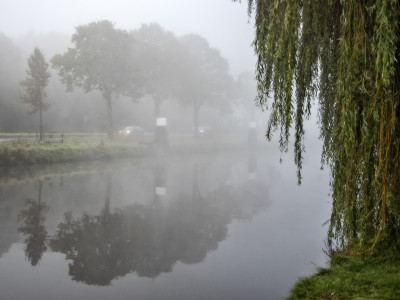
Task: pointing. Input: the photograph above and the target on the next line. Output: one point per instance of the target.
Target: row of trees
(146, 62)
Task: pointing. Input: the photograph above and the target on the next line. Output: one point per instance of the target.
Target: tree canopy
(148, 61)
(346, 54)
(206, 76)
(101, 60)
(160, 66)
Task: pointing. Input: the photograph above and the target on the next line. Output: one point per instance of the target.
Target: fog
(49, 26)
(229, 222)
(223, 23)
(226, 226)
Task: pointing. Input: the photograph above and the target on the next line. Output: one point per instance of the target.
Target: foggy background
(49, 25)
(288, 224)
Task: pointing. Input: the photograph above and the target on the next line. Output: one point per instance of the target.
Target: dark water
(212, 226)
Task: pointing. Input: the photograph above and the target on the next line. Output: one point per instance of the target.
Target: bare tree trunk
(41, 138)
(157, 104)
(107, 97)
(196, 109)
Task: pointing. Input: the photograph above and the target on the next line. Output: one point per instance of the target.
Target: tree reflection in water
(149, 239)
(95, 244)
(32, 219)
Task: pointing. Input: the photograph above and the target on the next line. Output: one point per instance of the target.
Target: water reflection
(139, 227)
(32, 218)
(95, 244)
(160, 181)
(186, 227)
(148, 239)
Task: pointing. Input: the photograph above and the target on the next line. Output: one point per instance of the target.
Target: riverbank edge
(20, 152)
(375, 276)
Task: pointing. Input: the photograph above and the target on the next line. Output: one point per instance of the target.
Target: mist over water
(218, 226)
(214, 216)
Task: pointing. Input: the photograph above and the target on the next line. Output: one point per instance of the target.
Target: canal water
(227, 225)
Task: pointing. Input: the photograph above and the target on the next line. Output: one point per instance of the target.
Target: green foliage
(24, 152)
(347, 53)
(353, 277)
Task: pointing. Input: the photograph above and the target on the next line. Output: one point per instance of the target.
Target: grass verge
(27, 151)
(353, 277)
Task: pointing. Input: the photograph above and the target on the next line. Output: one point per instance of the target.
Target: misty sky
(222, 22)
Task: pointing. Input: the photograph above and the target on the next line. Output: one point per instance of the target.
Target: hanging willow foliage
(346, 53)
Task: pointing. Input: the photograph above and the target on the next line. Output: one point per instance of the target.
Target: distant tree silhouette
(206, 78)
(34, 86)
(102, 59)
(160, 64)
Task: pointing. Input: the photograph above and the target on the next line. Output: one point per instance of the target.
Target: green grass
(24, 150)
(353, 277)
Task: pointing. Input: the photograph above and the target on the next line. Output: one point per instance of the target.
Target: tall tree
(34, 85)
(347, 53)
(205, 79)
(102, 59)
(160, 65)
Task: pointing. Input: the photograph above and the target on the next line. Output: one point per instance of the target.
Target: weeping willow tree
(346, 55)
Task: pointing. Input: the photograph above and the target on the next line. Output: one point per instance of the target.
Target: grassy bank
(25, 150)
(353, 277)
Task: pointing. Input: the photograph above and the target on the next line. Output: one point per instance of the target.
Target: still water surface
(212, 226)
